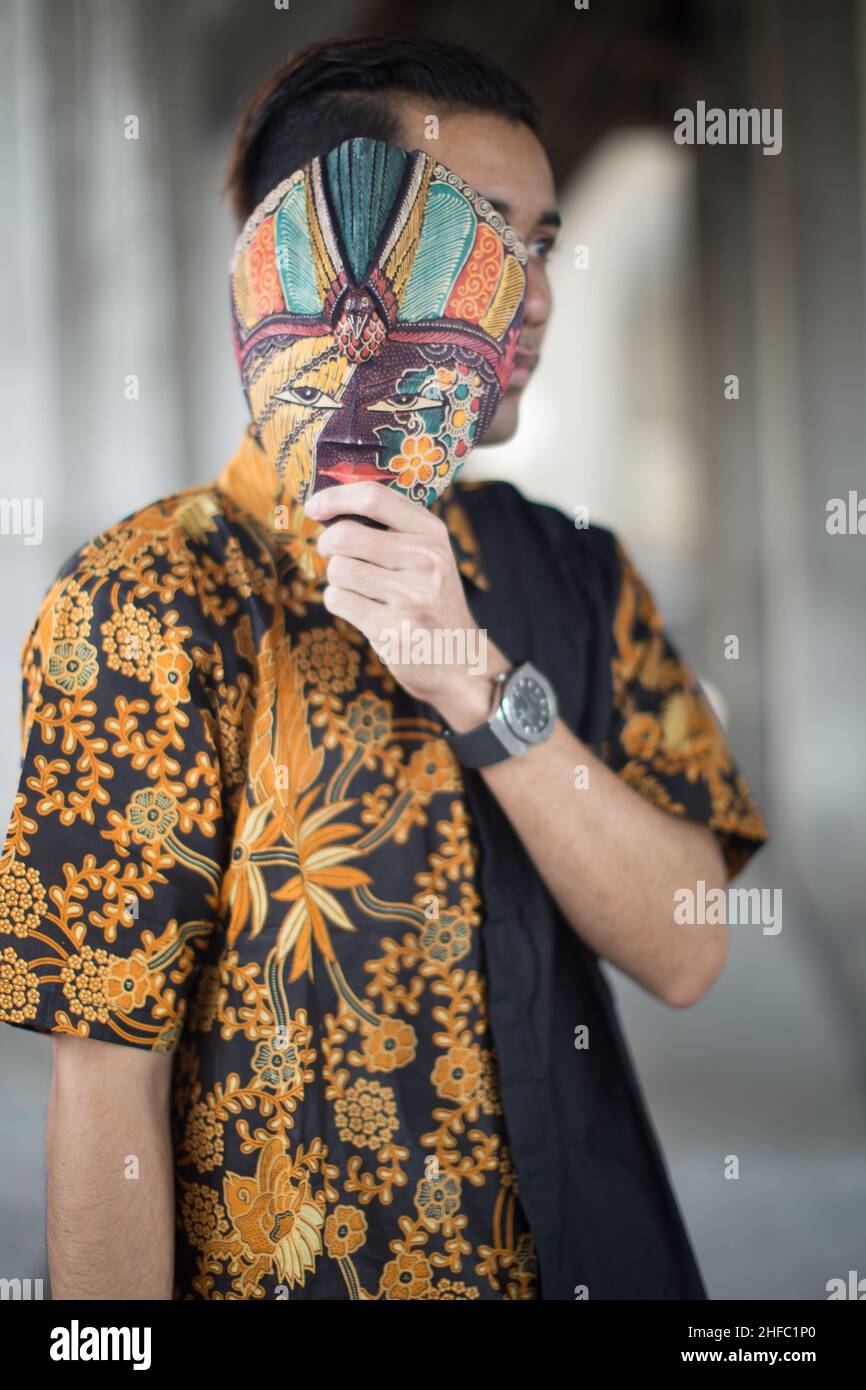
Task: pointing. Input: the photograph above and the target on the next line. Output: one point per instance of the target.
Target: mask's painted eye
(309, 396)
(407, 400)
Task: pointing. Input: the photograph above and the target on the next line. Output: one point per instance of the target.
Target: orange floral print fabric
(236, 840)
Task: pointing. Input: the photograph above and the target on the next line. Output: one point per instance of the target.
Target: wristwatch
(524, 714)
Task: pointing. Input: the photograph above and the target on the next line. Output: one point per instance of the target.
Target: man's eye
(307, 395)
(542, 247)
(406, 400)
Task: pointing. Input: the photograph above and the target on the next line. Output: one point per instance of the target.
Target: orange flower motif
(409, 1276)
(456, 1075)
(345, 1232)
(127, 983)
(389, 1046)
(432, 768)
(418, 460)
(171, 670)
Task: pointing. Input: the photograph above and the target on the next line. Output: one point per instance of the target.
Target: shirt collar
(249, 480)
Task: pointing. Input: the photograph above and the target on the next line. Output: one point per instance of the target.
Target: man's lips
(524, 365)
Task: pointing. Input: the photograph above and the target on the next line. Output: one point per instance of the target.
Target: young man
(343, 912)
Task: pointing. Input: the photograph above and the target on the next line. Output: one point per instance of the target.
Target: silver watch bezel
(503, 722)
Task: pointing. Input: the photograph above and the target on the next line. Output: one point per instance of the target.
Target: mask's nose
(347, 451)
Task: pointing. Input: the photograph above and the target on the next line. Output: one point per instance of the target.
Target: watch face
(529, 707)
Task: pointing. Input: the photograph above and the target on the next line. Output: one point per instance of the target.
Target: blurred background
(702, 263)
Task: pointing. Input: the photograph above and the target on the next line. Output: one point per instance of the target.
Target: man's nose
(537, 304)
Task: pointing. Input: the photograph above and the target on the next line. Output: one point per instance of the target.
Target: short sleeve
(664, 738)
(111, 868)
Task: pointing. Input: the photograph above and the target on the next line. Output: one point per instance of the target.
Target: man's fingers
(361, 577)
(351, 538)
(366, 614)
(373, 500)
(390, 550)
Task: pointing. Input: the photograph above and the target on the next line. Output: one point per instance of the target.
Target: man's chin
(505, 421)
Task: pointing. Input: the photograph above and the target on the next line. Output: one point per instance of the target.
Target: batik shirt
(237, 840)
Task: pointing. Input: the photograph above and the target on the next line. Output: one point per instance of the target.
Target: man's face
(507, 164)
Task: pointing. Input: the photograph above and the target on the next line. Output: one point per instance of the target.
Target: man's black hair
(344, 88)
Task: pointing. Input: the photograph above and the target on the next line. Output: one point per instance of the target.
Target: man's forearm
(610, 859)
(110, 1175)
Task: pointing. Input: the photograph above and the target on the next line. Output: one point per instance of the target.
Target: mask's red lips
(347, 472)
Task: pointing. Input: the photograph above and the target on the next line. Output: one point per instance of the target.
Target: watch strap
(491, 742)
(478, 747)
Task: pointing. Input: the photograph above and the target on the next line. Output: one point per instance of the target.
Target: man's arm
(609, 857)
(110, 1172)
